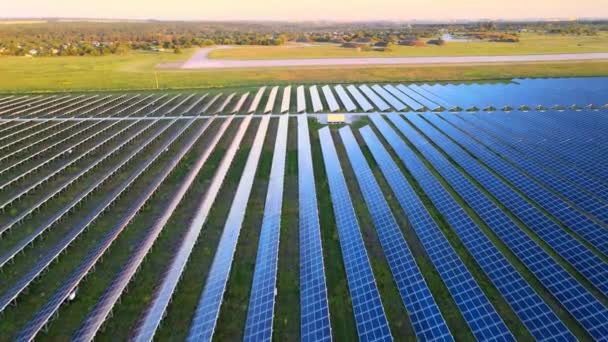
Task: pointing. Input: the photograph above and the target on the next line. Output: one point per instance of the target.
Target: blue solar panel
(534, 313)
(208, 308)
(424, 313)
(370, 319)
(260, 313)
(574, 297)
(314, 309)
(568, 171)
(576, 196)
(482, 318)
(592, 267)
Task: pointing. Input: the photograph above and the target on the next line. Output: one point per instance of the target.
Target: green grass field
(529, 44)
(137, 71)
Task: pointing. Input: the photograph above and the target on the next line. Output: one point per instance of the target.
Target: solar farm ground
(444, 225)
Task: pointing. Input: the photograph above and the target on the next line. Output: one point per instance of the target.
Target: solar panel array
(478, 312)
(521, 194)
(260, 314)
(314, 307)
(422, 309)
(370, 318)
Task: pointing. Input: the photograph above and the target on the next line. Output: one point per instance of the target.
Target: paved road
(200, 60)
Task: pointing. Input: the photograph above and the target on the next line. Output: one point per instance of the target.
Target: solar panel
(478, 312)
(404, 98)
(428, 104)
(396, 104)
(564, 244)
(347, 103)
(260, 313)
(423, 312)
(239, 104)
(575, 298)
(331, 99)
(42, 317)
(208, 308)
(578, 222)
(317, 106)
(210, 103)
(370, 319)
(286, 103)
(157, 305)
(314, 308)
(224, 104)
(360, 99)
(569, 171)
(431, 96)
(256, 100)
(271, 99)
(301, 99)
(378, 102)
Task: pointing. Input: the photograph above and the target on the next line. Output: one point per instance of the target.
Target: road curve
(201, 60)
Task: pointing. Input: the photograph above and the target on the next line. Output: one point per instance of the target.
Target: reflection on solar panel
(592, 267)
(301, 99)
(423, 312)
(592, 232)
(208, 308)
(286, 102)
(531, 309)
(317, 106)
(478, 312)
(330, 98)
(396, 104)
(431, 96)
(378, 102)
(97, 316)
(404, 98)
(347, 103)
(369, 313)
(260, 313)
(42, 317)
(569, 171)
(314, 318)
(359, 98)
(271, 99)
(222, 107)
(574, 297)
(256, 100)
(157, 306)
(428, 104)
(210, 103)
(239, 104)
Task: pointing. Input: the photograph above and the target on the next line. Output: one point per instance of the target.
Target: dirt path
(201, 60)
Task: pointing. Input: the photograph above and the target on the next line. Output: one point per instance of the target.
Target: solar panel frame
(428, 104)
(415, 106)
(224, 104)
(240, 103)
(256, 100)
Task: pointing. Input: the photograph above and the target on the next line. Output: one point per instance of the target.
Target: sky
(303, 10)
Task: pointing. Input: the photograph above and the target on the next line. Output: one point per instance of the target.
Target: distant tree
(177, 50)
(207, 42)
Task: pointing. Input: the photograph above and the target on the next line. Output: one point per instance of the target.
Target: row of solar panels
(519, 94)
(568, 141)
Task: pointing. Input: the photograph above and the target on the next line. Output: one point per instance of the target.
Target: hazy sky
(304, 9)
